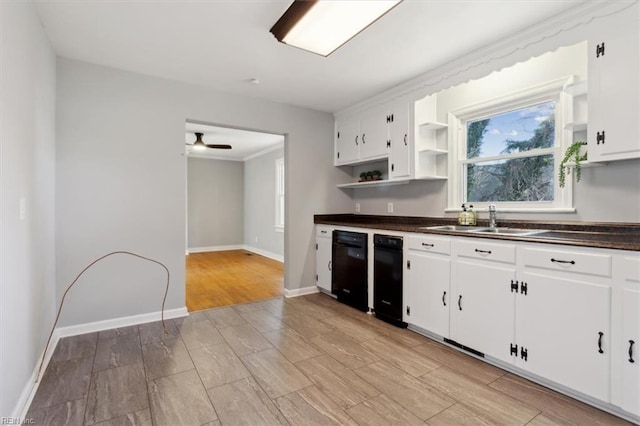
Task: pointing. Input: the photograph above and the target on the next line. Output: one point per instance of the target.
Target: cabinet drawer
(323, 231)
(479, 249)
(630, 269)
(569, 261)
(430, 244)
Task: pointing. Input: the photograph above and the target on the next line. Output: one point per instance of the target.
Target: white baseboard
(265, 253)
(300, 291)
(90, 327)
(30, 388)
(255, 250)
(215, 248)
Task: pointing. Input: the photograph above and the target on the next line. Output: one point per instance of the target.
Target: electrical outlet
(389, 207)
(357, 207)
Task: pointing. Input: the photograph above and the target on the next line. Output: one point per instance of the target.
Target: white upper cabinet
(614, 82)
(347, 141)
(380, 138)
(374, 135)
(400, 141)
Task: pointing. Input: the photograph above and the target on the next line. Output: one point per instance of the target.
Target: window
(279, 195)
(510, 156)
(506, 151)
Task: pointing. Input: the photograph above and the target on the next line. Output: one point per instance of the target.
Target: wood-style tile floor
(303, 361)
(224, 278)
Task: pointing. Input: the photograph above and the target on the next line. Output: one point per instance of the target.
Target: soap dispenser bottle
(463, 216)
(471, 216)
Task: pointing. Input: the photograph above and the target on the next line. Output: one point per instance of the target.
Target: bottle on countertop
(471, 216)
(463, 216)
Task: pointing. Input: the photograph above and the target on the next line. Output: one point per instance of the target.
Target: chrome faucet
(492, 216)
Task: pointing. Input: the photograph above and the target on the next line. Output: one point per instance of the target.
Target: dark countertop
(610, 235)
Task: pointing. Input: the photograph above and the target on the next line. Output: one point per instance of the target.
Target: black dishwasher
(349, 269)
(387, 278)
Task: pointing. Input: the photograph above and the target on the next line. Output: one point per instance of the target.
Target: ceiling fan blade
(218, 146)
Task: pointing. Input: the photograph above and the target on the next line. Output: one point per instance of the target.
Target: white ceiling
(223, 44)
(244, 143)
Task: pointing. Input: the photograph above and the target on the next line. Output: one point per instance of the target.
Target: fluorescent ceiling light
(322, 26)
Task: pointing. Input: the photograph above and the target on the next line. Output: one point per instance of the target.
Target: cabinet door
(323, 263)
(347, 141)
(401, 142)
(614, 96)
(559, 325)
(428, 292)
(483, 307)
(631, 345)
(374, 135)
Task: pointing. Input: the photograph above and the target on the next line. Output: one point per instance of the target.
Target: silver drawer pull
(385, 302)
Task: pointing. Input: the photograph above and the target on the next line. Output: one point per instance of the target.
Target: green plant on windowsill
(572, 155)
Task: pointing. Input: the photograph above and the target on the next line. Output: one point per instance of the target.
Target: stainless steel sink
(456, 228)
(509, 231)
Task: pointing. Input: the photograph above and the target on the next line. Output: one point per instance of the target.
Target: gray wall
(27, 153)
(121, 183)
(215, 202)
(259, 201)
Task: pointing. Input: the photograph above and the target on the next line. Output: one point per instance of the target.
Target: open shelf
(584, 164)
(373, 183)
(577, 89)
(434, 151)
(433, 125)
(579, 126)
(434, 177)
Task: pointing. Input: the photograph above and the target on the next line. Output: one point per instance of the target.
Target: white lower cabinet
(483, 307)
(428, 279)
(631, 351)
(323, 258)
(626, 362)
(565, 314)
(563, 331)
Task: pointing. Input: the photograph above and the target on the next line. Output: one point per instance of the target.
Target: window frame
(279, 195)
(457, 122)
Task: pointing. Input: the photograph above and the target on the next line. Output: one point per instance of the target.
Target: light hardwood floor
(303, 361)
(223, 278)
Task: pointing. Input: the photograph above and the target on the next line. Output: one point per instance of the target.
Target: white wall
(121, 182)
(215, 202)
(27, 258)
(607, 194)
(259, 201)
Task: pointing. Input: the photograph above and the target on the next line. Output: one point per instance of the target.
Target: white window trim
(279, 227)
(549, 91)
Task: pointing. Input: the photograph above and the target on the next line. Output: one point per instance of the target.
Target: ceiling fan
(199, 145)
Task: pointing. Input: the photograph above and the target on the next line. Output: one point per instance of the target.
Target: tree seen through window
(503, 163)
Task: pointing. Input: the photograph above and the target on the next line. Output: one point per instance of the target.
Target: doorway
(234, 216)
